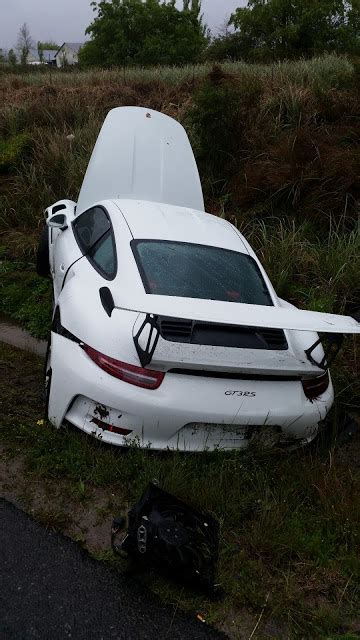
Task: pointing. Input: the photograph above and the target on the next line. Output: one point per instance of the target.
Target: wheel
(47, 377)
(42, 256)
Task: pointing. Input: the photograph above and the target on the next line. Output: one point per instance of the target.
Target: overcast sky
(66, 20)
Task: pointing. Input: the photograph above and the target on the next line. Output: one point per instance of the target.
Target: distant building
(48, 57)
(32, 57)
(68, 53)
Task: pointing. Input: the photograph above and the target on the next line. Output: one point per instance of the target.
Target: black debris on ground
(52, 588)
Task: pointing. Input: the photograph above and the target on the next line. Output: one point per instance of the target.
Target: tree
(50, 45)
(225, 47)
(12, 57)
(24, 43)
(145, 32)
(293, 28)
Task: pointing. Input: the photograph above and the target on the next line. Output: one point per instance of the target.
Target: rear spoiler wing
(243, 315)
(238, 314)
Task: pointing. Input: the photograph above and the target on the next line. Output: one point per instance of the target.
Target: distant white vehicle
(166, 328)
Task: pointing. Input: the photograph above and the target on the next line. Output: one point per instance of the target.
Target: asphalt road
(52, 589)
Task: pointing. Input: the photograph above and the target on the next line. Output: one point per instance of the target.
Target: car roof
(152, 220)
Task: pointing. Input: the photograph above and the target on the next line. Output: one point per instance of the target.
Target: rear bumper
(186, 412)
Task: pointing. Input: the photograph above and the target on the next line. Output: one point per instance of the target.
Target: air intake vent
(219, 335)
(275, 338)
(176, 330)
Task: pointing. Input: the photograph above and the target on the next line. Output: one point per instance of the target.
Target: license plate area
(223, 431)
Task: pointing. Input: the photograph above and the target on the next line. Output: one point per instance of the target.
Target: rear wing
(237, 314)
(243, 315)
(141, 154)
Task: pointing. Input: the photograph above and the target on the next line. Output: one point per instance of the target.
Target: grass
(12, 150)
(290, 523)
(277, 146)
(328, 70)
(270, 139)
(25, 297)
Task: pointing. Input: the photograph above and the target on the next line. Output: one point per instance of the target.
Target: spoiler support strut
(335, 342)
(145, 355)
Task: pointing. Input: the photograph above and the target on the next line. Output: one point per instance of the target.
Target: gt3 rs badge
(244, 394)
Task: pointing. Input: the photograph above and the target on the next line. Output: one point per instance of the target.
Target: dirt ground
(85, 515)
(48, 501)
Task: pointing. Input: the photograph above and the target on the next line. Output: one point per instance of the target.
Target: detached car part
(169, 536)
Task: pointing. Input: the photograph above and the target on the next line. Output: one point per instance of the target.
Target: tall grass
(273, 148)
(289, 523)
(269, 139)
(328, 70)
(279, 156)
(319, 271)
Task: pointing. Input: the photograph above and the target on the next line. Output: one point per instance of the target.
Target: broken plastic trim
(335, 342)
(171, 537)
(58, 328)
(105, 426)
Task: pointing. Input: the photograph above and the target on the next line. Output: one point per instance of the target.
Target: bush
(281, 143)
(26, 297)
(12, 151)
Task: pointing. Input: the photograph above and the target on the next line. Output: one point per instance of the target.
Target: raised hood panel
(245, 315)
(143, 155)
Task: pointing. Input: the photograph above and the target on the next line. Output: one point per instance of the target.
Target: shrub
(13, 150)
(280, 144)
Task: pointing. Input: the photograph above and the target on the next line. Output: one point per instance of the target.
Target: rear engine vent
(176, 330)
(220, 335)
(275, 338)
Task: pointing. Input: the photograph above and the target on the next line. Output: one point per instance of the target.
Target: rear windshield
(198, 271)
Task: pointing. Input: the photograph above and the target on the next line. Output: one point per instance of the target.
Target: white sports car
(166, 328)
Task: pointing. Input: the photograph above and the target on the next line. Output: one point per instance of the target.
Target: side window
(95, 236)
(90, 227)
(103, 256)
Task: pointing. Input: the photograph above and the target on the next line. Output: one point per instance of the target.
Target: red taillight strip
(315, 387)
(138, 376)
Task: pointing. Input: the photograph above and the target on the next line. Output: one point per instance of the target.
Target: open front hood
(142, 154)
(245, 315)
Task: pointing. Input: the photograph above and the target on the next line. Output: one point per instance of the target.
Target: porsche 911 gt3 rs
(166, 328)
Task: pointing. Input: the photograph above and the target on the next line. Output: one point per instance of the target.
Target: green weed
(26, 297)
(13, 150)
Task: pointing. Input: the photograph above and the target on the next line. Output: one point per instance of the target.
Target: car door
(65, 252)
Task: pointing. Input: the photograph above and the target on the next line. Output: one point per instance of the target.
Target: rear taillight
(145, 378)
(315, 387)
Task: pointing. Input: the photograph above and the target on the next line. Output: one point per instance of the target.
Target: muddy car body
(166, 327)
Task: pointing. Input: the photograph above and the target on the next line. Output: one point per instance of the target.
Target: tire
(42, 256)
(47, 377)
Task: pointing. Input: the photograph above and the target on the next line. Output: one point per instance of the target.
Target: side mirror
(58, 221)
